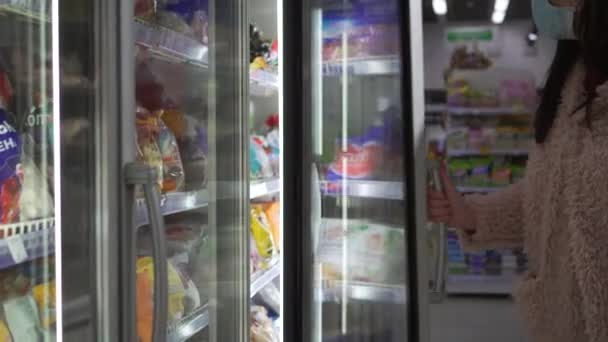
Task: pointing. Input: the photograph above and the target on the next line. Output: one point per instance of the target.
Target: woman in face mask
(559, 212)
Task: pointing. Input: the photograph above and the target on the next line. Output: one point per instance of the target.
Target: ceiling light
(532, 36)
(440, 7)
(501, 5)
(498, 17)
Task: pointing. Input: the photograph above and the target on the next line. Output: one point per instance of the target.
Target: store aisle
(476, 320)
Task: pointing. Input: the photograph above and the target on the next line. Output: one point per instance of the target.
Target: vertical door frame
(228, 184)
(297, 163)
(412, 87)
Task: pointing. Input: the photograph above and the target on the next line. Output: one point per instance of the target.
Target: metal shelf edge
(264, 188)
(265, 278)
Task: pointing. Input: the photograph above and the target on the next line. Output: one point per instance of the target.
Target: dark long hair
(591, 28)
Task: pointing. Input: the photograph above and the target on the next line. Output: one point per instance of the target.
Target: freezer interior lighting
(501, 5)
(498, 17)
(440, 7)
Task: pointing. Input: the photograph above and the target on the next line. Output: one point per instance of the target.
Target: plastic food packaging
(44, 295)
(358, 161)
(459, 170)
(262, 328)
(457, 138)
(145, 295)
(273, 211)
(22, 319)
(271, 296)
(480, 171)
(173, 169)
(148, 149)
(5, 335)
(262, 233)
(375, 252)
(35, 201)
(261, 167)
(10, 187)
(144, 8)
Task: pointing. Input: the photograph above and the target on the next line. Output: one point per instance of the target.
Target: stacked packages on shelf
(376, 252)
(376, 154)
(188, 17)
(370, 30)
(265, 235)
(264, 152)
(27, 307)
(169, 139)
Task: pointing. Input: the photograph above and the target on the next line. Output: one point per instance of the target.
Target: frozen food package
(175, 120)
(44, 295)
(375, 252)
(200, 26)
(145, 295)
(459, 170)
(144, 8)
(145, 304)
(273, 212)
(271, 296)
(148, 150)
(22, 319)
(255, 260)
(174, 21)
(480, 171)
(262, 328)
(261, 167)
(6, 90)
(36, 200)
(10, 185)
(261, 233)
(173, 169)
(5, 335)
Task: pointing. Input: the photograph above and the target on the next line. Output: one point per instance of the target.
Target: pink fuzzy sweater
(559, 213)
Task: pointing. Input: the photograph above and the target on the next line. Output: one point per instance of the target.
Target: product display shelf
(486, 111)
(199, 319)
(29, 9)
(26, 241)
(335, 291)
(263, 82)
(188, 326)
(173, 203)
(364, 189)
(169, 44)
(264, 277)
(264, 188)
(385, 65)
(471, 284)
(491, 152)
(477, 189)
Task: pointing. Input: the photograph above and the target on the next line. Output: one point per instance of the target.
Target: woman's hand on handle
(448, 206)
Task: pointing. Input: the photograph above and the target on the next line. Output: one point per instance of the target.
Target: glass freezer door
(363, 274)
(188, 175)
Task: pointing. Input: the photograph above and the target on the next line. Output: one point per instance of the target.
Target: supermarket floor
(472, 319)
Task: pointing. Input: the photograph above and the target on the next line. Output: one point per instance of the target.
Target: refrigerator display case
(363, 174)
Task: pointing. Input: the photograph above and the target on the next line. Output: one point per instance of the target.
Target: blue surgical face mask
(552, 21)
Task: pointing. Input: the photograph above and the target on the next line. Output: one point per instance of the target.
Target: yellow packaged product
(273, 213)
(261, 233)
(44, 295)
(5, 335)
(145, 298)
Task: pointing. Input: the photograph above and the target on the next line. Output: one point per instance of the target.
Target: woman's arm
(498, 220)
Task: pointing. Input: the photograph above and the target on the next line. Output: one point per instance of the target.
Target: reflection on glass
(27, 218)
(171, 79)
(360, 272)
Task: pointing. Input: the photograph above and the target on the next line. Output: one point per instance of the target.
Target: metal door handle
(439, 281)
(138, 173)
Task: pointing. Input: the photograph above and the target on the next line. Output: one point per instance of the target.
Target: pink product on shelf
(364, 41)
(358, 161)
(518, 93)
